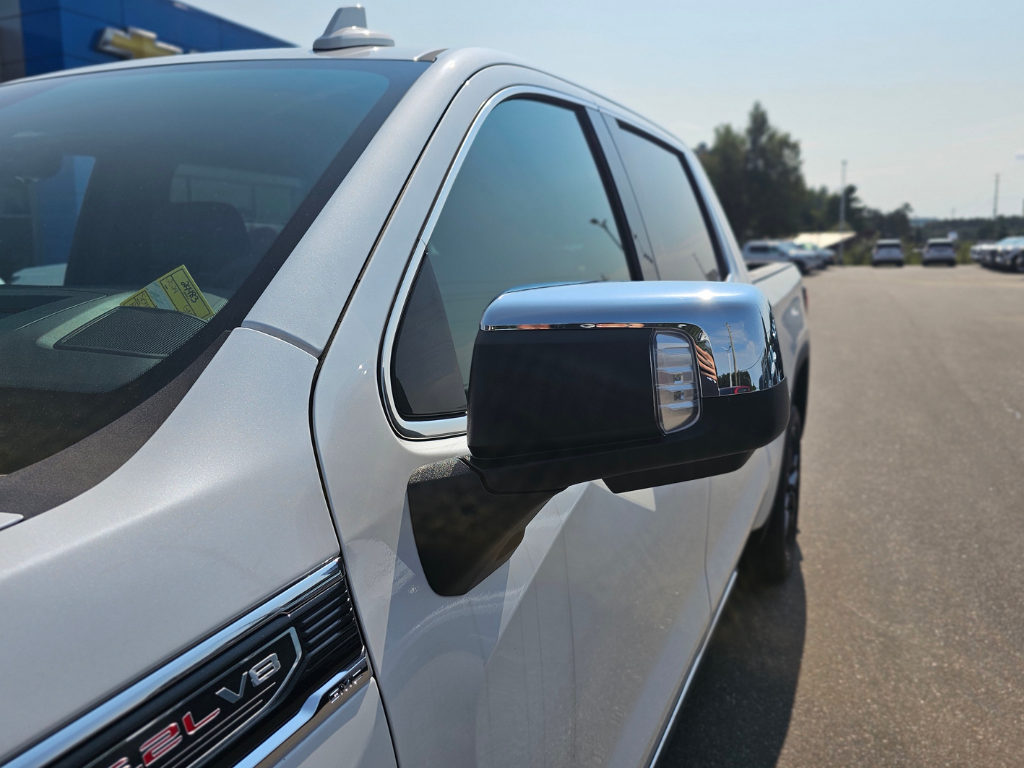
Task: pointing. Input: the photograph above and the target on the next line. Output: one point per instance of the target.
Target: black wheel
(1018, 263)
(771, 550)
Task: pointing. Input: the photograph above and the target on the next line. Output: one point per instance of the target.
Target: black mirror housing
(638, 384)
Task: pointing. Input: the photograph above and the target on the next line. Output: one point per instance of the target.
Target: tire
(1018, 263)
(769, 555)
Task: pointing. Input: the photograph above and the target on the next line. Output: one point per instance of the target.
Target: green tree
(757, 177)
(775, 182)
(725, 163)
(896, 223)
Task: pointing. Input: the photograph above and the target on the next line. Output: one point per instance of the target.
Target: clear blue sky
(924, 99)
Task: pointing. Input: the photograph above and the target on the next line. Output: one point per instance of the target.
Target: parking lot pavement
(899, 641)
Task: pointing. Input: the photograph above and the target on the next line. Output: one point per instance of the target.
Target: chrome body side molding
(338, 689)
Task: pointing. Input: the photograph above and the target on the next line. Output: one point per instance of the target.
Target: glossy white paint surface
(781, 284)
(639, 609)
(183, 538)
(356, 736)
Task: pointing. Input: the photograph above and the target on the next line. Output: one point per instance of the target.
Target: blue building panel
(185, 27)
(61, 34)
(79, 35)
(42, 35)
(109, 11)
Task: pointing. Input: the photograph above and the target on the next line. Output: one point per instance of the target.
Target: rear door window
(530, 206)
(673, 214)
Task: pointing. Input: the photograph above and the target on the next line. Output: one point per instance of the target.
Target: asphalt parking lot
(899, 641)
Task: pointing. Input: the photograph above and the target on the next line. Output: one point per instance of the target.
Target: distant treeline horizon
(758, 177)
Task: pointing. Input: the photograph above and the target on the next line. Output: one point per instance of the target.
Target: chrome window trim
(112, 709)
(431, 429)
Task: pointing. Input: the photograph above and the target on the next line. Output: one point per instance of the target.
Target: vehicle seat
(207, 237)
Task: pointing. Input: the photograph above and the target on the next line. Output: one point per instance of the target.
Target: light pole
(842, 209)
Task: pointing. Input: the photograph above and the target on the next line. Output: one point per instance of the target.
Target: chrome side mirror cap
(731, 324)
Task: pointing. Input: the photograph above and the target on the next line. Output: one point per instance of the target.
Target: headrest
(205, 237)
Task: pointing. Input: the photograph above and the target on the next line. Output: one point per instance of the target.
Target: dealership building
(38, 36)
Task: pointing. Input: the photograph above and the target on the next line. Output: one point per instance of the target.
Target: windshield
(143, 211)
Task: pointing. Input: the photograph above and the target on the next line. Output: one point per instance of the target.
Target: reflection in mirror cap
(348, 30)
(675, 383)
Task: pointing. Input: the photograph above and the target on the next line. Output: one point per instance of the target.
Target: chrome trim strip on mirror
(692, 673)
(108, 712)
(732, 325)
(428, 429)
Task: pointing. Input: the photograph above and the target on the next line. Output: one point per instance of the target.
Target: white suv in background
(939, 251)
(887, 252)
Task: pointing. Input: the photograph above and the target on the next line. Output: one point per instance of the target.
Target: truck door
(679, 229)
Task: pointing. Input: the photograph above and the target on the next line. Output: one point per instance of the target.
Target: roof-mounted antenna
(348, 30)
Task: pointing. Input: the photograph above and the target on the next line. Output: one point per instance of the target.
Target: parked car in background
(251, 511)
(825, 256)
(760, 252)
(1007, 254)
(979, 252)
(887, 252)
(939, 250)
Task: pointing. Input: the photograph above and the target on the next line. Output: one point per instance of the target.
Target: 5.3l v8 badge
(186, 733)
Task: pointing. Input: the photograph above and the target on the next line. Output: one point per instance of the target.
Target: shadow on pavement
(737, 711)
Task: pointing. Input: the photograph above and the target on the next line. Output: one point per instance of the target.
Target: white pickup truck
(371, 407)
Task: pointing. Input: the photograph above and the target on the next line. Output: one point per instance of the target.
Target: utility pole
(842, 209)
(995, 199)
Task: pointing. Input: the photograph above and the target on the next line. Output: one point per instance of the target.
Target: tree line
(758, 177)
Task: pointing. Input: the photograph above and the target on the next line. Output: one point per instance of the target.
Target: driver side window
(529, 206)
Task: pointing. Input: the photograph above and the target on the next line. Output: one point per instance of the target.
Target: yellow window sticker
(176, 290)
